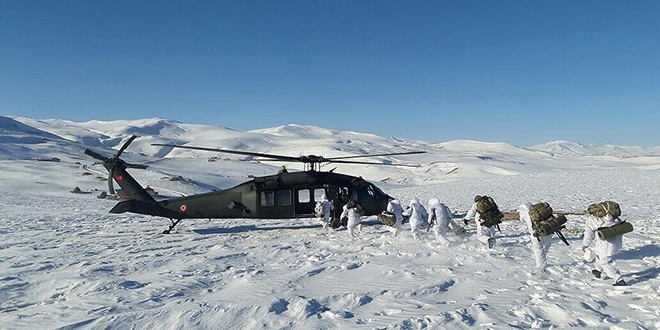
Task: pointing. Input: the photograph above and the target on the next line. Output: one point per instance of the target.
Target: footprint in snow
(354, 265)
(315, 271)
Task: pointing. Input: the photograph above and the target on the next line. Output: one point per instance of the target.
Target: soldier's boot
(491, 243)
(596, 273)
(620, 282)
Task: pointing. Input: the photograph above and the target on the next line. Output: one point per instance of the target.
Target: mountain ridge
(443, 161)
(171, 129)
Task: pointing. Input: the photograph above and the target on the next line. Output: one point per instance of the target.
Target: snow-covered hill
(562, 147)
(27, 138)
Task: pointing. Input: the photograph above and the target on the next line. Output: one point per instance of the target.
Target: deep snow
(65, 262)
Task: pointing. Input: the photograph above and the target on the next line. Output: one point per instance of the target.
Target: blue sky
(521, 72)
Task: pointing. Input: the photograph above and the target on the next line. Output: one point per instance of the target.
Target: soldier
(418, 216)
(353, 212)
(324, 210)
(440, 218)
(485, 230)
(540, 244)
(605, 248)
(394, 207)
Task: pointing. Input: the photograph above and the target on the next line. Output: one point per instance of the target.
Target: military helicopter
(279, 196)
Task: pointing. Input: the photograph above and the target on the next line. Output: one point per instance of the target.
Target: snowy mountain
(562, 147)
(446, 161)
(66, 263)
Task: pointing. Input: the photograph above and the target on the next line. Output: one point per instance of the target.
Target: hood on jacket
(524, 209)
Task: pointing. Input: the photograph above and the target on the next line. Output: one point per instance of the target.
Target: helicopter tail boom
(137, 199)
(144, 207)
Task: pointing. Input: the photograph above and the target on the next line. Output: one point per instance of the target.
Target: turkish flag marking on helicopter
(183, 208)
(118, 177)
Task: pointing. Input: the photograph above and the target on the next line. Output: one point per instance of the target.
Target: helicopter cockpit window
(374, 191)
(370, 190)
(304, 196)
(267, 198)
(283, 197)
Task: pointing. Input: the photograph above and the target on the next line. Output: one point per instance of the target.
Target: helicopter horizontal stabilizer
(123, 206)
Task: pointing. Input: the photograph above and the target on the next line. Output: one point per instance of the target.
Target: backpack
(544, 223)
(601, 209)
(387, 218)
(489, 212)
(541, 214)
(552, 225)
(353, 205)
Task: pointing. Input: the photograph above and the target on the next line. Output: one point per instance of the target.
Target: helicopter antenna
(312, 162)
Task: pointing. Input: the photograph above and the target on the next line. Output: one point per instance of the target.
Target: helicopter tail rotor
(112, 164)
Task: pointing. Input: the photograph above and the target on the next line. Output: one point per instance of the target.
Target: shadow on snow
(247, 228)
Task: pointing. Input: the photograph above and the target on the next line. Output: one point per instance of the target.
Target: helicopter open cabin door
(306, 199)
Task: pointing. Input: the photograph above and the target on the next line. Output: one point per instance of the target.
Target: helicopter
(280, 196)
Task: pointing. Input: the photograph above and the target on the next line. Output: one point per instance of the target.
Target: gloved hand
(584, 248)
(465, 221)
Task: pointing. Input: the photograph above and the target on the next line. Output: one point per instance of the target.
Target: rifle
(561, 235)
(432, 223)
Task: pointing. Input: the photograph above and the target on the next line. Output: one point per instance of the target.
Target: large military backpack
(318, 209)
(544, 223)
(357, 208)
(489, 213)
(540, 212)
(387, 218)
(601, 209)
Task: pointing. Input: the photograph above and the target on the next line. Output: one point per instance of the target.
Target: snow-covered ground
(65, 262)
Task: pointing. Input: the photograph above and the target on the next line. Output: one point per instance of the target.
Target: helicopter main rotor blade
(111, 188)
(378, 155)
(95, 154)
(123, 147)
(236, 152)
(370, 163)
(138, 166)
(350, 162)
(308, 159)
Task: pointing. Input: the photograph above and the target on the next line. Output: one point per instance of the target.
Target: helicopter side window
(267, 198)
(283, 197)
(318, 192)
(304, 196)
